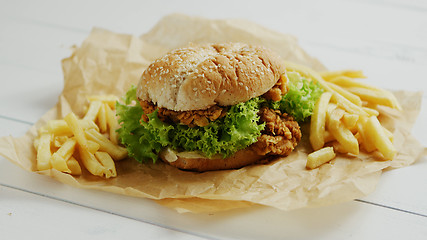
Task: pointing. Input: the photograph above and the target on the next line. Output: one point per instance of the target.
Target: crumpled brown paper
(109, 63)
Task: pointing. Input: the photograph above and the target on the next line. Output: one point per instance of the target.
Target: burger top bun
(197, 77)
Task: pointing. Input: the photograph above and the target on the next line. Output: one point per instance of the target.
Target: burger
(215, 107)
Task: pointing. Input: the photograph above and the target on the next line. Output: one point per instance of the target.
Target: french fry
(350, 121)
(318, 118)
(93, 110)
(92, 146)
(43, 130)
(338, 147)
(343, 73)
(77, 129)
(370, 111)
(367, 142)
(108, 99)
(342, 134)
(90, 162)
(115, 151)
(376, 132)
(348, 95)
(43, 152)
(389, 134)
(394, 103)
(319, 157)
(102, 119)
(345, 137)
(334, 115)
(358, 136)
(347, 82)
(74, 166)
(328, 137)
(108, 163)
(58, 141)
(372, 96)
(347, 104)
(112, 125)
(60, 157)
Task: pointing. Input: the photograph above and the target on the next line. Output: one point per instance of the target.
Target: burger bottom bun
(195, 162)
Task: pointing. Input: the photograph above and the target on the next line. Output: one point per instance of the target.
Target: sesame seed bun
(197, 77)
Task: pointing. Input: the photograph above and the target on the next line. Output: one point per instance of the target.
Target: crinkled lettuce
(144, 140)
(300, 99)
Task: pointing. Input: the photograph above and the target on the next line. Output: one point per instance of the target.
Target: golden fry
(318, 118)
(93, 110)
(60, 157)
(43, 152)
(77, 129)
(347, 82)
(102, 119)
(115, 151)
(92, 146)
(90, 162)
(319, 157)
(334, 115)
(343, 73)
(366, 142)
(370, 111)
(376, 132)
(347, 104)
(350, 121)
(58, 141)
(328, 137)
(389, 134)
(108, 163)
(74, 166)
(112, 125)
(348, 95)
(372, 96)
(343, 135)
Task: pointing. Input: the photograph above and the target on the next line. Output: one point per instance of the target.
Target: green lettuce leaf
(225, 136)
(300, 99)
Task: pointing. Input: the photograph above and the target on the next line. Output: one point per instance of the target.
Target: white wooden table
(387, 39)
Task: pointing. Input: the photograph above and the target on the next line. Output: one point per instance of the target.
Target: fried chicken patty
(191, 118)
(280, 135)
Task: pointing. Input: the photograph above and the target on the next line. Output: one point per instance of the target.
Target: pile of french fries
(67, 144)
(345, 118)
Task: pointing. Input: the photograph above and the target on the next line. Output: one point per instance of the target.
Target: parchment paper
(109, 63)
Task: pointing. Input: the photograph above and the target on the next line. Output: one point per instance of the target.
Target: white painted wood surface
(387, 39)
